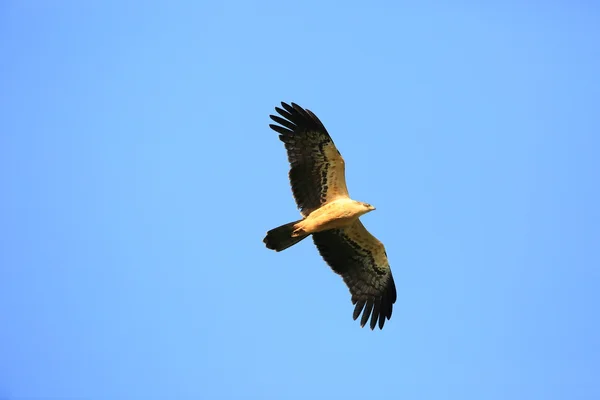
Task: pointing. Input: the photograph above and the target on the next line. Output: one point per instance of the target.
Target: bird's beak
(372, 208)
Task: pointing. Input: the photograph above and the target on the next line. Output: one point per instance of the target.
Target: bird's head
(368, 207)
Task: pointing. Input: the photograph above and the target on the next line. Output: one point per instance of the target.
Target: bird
(330, 216)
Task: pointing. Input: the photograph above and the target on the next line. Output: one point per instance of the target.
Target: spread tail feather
(280, 238)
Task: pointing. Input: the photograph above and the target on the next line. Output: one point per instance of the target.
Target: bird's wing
(317, 173)
(361, 260)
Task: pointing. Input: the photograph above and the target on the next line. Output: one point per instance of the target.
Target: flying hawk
(329, 214)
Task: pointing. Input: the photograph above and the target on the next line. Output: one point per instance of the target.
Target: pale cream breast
(336, 214)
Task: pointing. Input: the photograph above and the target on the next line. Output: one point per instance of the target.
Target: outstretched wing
(317, 172)
(361, 260)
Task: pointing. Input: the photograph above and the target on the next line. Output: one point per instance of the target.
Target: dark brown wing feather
(317, 173)
(361, 260)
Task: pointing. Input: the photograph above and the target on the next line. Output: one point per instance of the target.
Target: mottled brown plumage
(317, 177)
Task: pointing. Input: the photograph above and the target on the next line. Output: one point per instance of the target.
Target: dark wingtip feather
(302, 112)
(283, 113)
(366, 313)
(313, 116)
(283, 122)
(280, 129)
(298, 108)
(358, 309)
(287, 107)
(376, 312)
(381, 321)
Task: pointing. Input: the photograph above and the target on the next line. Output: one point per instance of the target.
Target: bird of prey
(317, 177)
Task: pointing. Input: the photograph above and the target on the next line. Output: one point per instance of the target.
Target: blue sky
(139, 177)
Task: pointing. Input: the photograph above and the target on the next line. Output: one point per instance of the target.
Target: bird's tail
(281, 238)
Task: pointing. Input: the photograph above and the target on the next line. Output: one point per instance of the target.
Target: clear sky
(138, 177)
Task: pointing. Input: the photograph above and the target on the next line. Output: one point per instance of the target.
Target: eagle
(330, 216)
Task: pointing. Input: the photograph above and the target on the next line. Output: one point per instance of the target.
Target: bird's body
(339, 213)
(317, 176)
